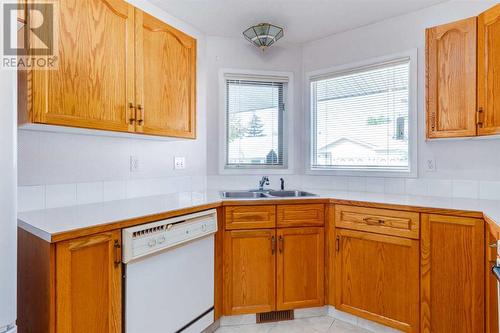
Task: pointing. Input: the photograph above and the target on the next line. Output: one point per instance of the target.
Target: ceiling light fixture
(263, 35)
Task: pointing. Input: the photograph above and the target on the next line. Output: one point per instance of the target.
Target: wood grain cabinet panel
(491, 300)
(452, 274)
(300, 215)
(301, 268)
(451, 79)
(250, 217)
(249, 271)
(165, 79)
(88, 279)
(488, 69)
(94, 81)
(381, 221)
(377, 278)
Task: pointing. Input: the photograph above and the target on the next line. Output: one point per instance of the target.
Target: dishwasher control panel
(148, 238)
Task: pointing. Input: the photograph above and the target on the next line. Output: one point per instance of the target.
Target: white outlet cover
(179, 163)
(430, 165)
(134, 164)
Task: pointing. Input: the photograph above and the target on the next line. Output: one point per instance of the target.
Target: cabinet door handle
(281, 244)
(480, 117)
(337, 244)
(140, 118)
(273, 244)
(131, 120)
(118, 252)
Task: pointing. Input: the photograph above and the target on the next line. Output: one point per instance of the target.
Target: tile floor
(323, 324)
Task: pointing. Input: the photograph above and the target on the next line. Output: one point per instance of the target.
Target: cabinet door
(451, 79)
(492, 234)
(249, 271)
(377, 278)
(94, 81)
(88, 284)
(301, 268)
(488, 67)
(452, 274)
(166, 79)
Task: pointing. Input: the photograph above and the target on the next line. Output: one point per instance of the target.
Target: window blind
(360, 118)
(254, 123)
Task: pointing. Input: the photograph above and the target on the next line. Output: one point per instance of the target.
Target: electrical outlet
(134, 164)
(179, 163)
(430, 165)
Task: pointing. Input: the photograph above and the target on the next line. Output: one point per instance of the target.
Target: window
(361, 119)
(254, 123)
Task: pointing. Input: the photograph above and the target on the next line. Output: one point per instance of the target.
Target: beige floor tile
(343, 327)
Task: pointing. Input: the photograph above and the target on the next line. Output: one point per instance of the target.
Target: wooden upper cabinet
(488, 69)
(301, 268)
(249, 271)
(451, 79)
(452, 274)
(377, 278)
(94, 82)
(88, 280)
(166, 79)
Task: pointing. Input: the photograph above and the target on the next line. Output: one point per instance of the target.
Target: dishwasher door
(171, 291)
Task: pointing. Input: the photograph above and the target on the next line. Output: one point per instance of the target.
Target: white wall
(237, 53)
(465, 167)
(460, 159)
(48, 160)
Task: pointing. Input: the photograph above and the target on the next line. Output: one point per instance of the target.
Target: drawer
(381, 221)
(250, 217)
(301, 215)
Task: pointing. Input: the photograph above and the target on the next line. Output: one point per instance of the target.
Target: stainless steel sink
(242, 195)
(265, 194)
(290, 194)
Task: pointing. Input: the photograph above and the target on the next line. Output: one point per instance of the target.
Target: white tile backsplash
(417, 186)
(356, 184)
(440, 188)
(60, 195)
(489, 190)
(394, 186)
(31, 198)
(89, 192)
(375, 185)
(465, 189)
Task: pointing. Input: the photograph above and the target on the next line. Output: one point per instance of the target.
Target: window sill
(362, 173)
(255, 171)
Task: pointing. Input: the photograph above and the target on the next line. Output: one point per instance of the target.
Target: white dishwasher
(169, 274)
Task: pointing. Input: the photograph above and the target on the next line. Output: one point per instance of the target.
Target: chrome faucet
(262, 182)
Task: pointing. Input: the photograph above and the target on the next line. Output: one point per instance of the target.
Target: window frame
(412, 171)
(235, 74)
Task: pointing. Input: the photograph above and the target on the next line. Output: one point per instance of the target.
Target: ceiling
(303, 20)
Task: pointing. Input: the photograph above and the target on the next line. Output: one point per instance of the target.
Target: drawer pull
(373, 221)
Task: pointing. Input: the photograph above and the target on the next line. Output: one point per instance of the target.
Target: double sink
(265, 194)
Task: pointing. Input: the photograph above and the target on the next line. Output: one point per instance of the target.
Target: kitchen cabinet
(463, 90)
(451, 79)
(118, 69)
(488, 67)
(70, 286)
(270, 267)
(452, 274)
(165, 79)
(88, 277)
(377, 278)
(491, 299)
(249, 271)
(301, 268)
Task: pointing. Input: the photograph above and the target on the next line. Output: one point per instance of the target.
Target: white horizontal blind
(360, 118)
(254, 123)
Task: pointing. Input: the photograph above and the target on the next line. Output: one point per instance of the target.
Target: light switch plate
(179, 163)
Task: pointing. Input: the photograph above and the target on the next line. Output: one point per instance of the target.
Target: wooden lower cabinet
(88, 277)
(377, 278)
(301, 268)
(452, 274)
(249, 271)
(491, 299)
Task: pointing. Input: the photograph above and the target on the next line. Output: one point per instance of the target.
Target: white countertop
(48, 222)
